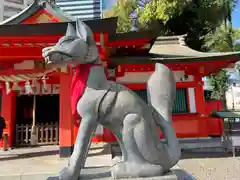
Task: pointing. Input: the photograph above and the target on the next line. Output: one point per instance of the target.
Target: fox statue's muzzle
(55, 58)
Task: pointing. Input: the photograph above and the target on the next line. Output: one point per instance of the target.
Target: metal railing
(231, 137)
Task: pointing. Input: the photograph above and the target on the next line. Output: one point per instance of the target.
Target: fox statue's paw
(67, 174)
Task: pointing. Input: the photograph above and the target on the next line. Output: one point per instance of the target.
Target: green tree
(174, 17)
(223, 39)
(219, 83)
(160, 11)
(122, 9)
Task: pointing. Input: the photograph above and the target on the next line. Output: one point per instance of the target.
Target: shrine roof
(133, 35)
(33, 8)
(173, 49)
(97, 25)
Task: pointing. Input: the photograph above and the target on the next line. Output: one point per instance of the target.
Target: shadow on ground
(188, 154)
(13, 156)
(88, 176)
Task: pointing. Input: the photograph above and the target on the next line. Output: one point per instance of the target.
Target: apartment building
(82, 9)
(10, 8)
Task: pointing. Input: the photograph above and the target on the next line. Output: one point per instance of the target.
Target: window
(5, 17)
(180, 104)
(11, 10)
(15, 1)
(207, 95)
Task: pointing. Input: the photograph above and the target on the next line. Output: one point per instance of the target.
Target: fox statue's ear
(70, 30)
(83, 31)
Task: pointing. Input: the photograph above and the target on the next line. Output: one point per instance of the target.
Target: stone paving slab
(40, 163)
(96, 174)
(27, 164)
(105, 174)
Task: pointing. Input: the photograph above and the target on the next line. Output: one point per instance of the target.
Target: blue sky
(236, 16)
(108, 4)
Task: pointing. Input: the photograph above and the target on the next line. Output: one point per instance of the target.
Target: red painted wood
(129, 42)
(31, 39)
(33, 19)
(213, 105)
(186, 84)
(139, 86)
(66, 123)
(19, 48)
(24, 71)
(136, 86)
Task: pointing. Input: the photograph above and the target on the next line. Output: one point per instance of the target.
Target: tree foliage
(174, 17)
(223, 39)
(219, 84)
(123, 10)
(159, 11)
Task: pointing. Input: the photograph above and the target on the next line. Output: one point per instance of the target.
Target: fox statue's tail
(161, 88)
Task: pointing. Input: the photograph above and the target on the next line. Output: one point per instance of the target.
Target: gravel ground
(211, 166)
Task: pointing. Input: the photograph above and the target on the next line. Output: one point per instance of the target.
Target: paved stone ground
(44, 161)
(211, 166)
(26, 162)
(212, 169)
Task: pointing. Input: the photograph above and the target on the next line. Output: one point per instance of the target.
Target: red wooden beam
(186, 84)
(141, 86)
(129, 42)
(39, 38)
(15, 59)
(26, 52)
(137, 67)
(136, 86)
(24, 71)
(31, 39)
(28, 71)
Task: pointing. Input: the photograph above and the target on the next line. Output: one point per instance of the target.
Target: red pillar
(8, 112)
(66, 124)
(200, 106)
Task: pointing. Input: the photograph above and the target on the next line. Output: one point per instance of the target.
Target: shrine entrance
(47, 119)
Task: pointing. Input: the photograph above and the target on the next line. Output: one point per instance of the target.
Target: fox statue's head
(76, 47)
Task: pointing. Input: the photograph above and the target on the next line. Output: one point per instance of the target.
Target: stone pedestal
(105, 174)
(168, 176)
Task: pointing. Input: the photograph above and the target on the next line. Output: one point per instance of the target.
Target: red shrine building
(129, 58)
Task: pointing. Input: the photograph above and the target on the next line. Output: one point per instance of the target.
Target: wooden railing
(47, 134)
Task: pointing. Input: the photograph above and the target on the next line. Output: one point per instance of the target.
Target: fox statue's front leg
(81, 148)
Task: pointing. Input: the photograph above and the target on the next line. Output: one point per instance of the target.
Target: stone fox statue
(99, 101)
